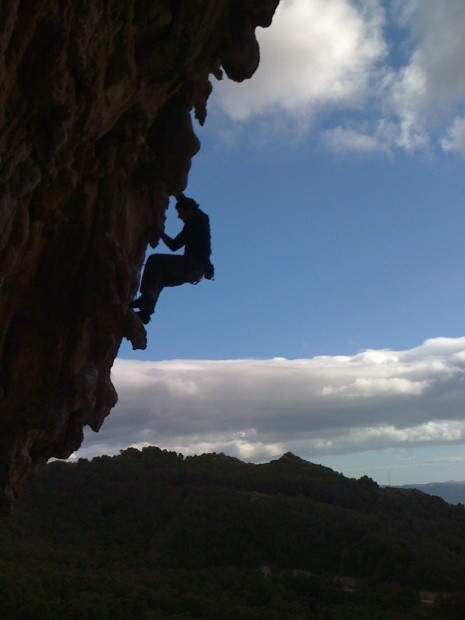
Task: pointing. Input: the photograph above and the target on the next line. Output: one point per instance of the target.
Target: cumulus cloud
(360, 140)
(454, 141)
(401, 69)
(257, 409)
(316, 52)
(432, 83)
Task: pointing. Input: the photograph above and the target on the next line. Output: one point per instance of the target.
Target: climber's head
(187, 208)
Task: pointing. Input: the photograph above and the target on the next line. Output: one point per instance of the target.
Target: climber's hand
(153, 235)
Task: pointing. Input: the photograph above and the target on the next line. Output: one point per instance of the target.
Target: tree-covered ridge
(146, 520)
(452, 491)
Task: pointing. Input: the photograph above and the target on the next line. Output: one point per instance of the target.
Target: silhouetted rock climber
(167, 270)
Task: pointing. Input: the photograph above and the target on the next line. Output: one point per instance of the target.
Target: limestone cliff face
(96, 98)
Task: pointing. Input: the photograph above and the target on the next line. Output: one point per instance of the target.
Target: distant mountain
(153, 534)
(452, 492)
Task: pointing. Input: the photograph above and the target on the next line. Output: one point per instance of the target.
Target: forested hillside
(151, 534)
(452, 492)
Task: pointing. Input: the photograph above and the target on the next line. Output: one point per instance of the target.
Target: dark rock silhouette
(95, 135)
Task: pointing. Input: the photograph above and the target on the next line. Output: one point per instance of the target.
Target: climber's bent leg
(160, 270)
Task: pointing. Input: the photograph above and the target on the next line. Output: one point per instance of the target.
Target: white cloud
(316, 52)
(433, 81)
(323, 56)
(455, 138)
(360, 140)
(257, 409)
(368, 387)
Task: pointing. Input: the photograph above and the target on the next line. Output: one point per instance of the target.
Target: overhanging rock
(96, 100)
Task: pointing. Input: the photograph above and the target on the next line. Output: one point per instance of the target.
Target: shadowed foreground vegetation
(151, 534)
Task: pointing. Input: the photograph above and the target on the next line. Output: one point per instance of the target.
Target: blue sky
(335, 325)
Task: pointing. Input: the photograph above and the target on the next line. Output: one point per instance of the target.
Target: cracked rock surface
(96, 133)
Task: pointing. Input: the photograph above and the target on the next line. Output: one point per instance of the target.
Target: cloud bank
(400, 67)
(258, 409)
